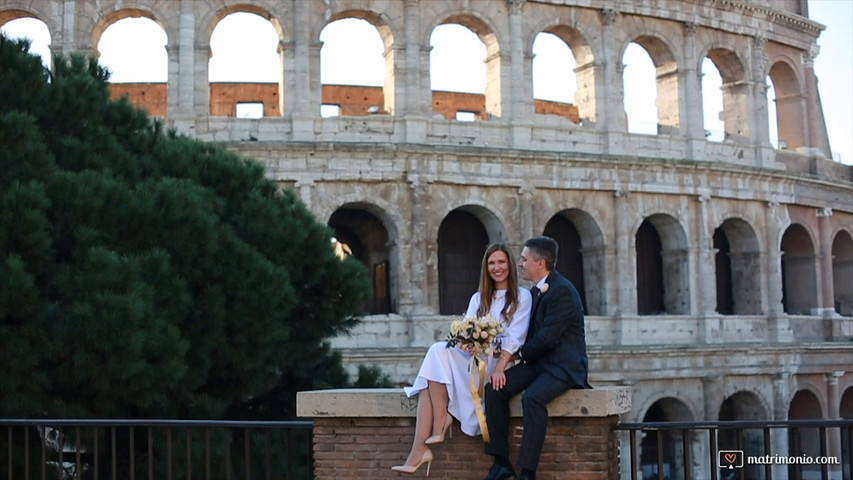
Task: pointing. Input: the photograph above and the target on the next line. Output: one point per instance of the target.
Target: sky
(457, 64)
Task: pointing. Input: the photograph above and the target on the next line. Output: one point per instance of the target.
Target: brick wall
(576, 448)
(362, 433)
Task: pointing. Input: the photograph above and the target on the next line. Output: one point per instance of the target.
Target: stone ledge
(392, 402)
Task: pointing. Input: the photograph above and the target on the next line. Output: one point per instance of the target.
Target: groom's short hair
(544, 248)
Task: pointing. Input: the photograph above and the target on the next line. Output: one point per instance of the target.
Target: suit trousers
(540, 387)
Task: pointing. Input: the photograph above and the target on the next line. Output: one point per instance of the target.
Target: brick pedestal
(362, 433)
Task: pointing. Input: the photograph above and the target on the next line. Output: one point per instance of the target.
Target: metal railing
(117, 449)
(743, 450)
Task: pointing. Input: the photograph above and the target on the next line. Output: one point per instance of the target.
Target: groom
(553, 360)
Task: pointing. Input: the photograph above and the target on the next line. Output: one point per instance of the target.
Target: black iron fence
(155, 449)
(740, 450)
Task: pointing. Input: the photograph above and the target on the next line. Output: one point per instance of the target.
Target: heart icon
(731, 457)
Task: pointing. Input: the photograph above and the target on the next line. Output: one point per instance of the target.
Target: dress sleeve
(473, 305)
(516, 332)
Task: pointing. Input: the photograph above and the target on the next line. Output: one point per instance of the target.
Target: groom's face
(530, 267)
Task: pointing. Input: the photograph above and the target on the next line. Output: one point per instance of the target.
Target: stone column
(778, 329)
(416, 94)
(779, 436)
(298, 73)
(421, 248)
(817, 140)
(626, 296)
(825, 285)
(189, 91)
(519, 100)
(610, 105)
(765, 154)
(705, 287)
(833, 403)
(692, 108)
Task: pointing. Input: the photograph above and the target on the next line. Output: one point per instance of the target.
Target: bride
(442, 384)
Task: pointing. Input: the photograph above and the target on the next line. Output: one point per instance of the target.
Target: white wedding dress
(450, 365)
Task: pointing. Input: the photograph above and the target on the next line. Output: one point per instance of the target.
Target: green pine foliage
(144, 274)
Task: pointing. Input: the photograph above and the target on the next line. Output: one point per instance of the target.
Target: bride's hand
(498, 380)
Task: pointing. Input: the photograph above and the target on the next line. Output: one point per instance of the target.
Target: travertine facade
(716, 275)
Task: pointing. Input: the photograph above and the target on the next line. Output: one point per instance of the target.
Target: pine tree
(144, 274)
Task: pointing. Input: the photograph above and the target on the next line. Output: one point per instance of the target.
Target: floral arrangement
(475, 333)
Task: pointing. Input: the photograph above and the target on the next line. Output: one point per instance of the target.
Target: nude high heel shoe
(427, 458)
(440, 438)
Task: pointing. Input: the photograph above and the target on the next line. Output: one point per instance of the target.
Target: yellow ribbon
(473, 366)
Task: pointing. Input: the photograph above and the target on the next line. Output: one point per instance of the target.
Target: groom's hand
(498, 380)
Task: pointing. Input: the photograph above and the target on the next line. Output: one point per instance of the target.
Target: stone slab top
(392, 402)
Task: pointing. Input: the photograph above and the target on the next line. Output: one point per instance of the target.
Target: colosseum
(712, 272)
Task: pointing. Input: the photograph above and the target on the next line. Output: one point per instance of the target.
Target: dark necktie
(535, 292)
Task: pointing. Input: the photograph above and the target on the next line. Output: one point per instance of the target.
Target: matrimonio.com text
(736, 459)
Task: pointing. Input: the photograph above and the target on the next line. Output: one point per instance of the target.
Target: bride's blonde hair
(488, 287)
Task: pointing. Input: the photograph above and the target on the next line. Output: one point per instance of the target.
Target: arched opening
(35, 31)
(842, 273)
(462, 240)
(790, 107)
(352, 68)
(569, 256)
(734, 110)
(712, 101)
(244, 70)
(362, 235)
(133, 50)
(737, 260)
(581, 256)
(739, 407)
(799, 275)
(640, 91)
(554, 80)
(667, 444)
(662, 267)
(465, 70)
(804, 441)
(649, 270)
(650, 75)
(723, 264)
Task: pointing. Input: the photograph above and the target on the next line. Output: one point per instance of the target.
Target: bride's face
(498, 265)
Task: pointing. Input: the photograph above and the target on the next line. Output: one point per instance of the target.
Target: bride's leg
(423, 428)
(441, 417)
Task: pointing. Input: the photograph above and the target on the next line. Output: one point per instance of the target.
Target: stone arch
(805, 405)
(737, 259)
(666, 409)
(662, 275)
(790, 105)
(739, 406)
(581, 257)
(381, 22)
(364, 228)
(799, 270)
(584, 68)
(28, 11)
(662, 54)
(736, 113)
(36, 47)
(462, 239)
(138, 11)
(487, 34)
(842, 272)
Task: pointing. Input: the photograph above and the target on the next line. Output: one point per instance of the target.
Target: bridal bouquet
(476, 332)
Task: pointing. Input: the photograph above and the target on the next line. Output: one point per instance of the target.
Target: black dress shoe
(500, 472)
(524, 476)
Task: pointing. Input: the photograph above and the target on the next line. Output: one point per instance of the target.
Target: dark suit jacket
(555, 338)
